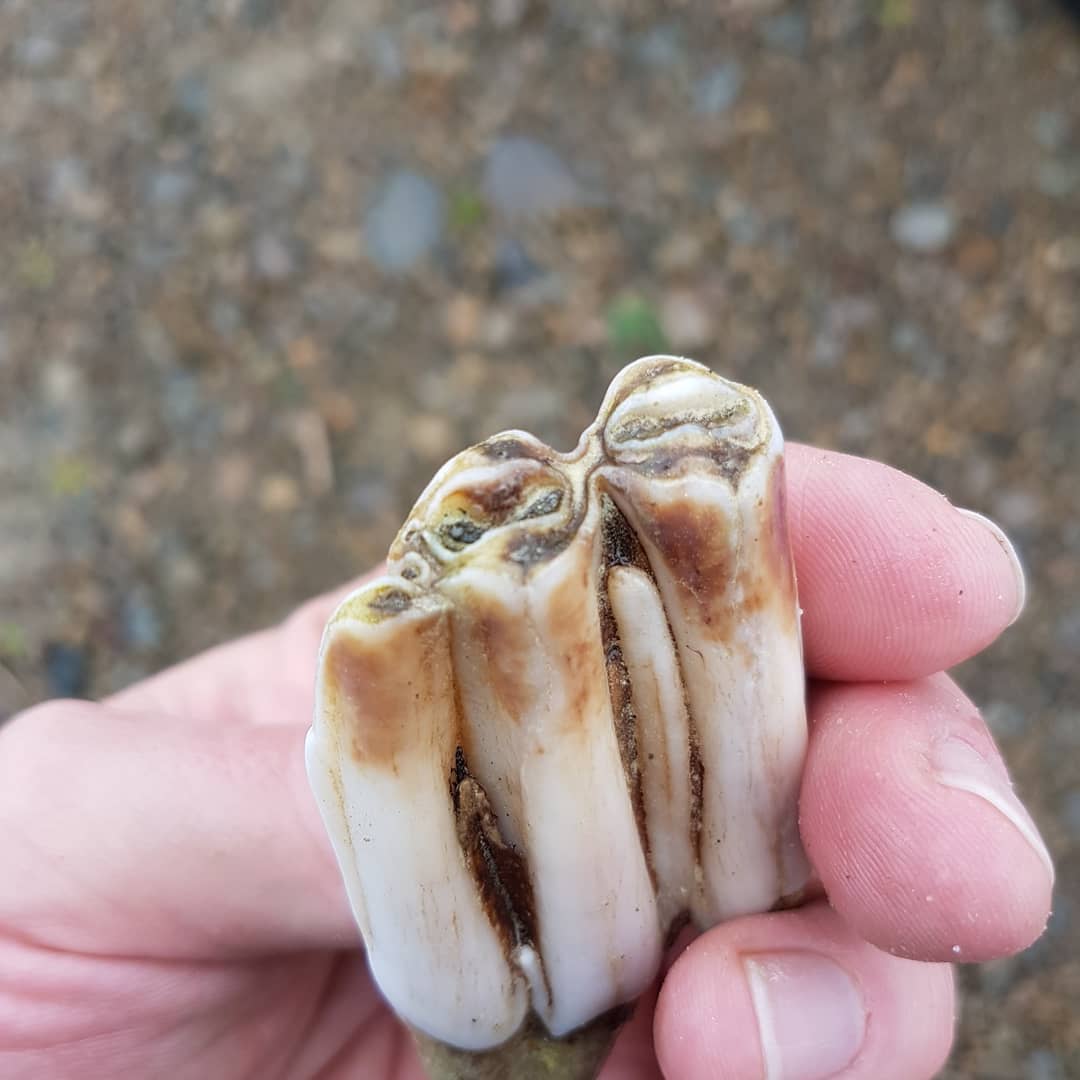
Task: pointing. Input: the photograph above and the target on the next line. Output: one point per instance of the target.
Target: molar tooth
(717, 543)
(575, 715)
(386, 728)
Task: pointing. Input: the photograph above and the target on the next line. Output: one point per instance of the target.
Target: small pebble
(527, 178)
(1051, 128)
(273, 258)
(513, 266)
(140, 621)
(1044, 1064)
(719, 89)
(1003, 20)
(788, 32)
(168, 188)
(924, 227)
(36, 54)
(279, 493)
(191, 97)
(661, 47)
(1058, 179)
(67, 669)
(405, 223)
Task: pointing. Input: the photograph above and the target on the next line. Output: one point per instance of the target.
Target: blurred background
(266, 264)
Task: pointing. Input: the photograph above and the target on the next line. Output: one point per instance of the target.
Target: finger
(910, 820)
(894, 582)
(265, 677)
(130, 834)
(797, 995)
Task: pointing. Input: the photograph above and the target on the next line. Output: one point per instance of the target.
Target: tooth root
(599, 934)
(380, 756)
(663, 735)
(724, 573)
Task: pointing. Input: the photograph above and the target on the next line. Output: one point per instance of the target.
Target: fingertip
(796, 994)
(909, 818)
(894, 582)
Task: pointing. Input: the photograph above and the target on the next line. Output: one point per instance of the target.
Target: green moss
(634, 327)
(467, 210)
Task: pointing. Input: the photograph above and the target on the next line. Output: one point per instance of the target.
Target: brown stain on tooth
(570, 621)
(502, 638)
(383, 692)
(510, 447)
(694, 543)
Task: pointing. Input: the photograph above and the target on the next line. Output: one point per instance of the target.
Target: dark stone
(67, 669)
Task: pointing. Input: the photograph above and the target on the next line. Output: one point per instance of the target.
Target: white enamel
(599, 933)
(431, 947)
(663, 734)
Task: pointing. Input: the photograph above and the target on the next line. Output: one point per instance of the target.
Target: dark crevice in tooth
(621, 547)
(547, 503)
(463, 531)
(499, 869)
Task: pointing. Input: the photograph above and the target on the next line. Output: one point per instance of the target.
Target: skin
(169, 904)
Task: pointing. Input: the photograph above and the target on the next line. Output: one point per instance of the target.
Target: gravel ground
(267, 263)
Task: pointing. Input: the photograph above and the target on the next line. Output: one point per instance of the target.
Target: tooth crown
(572, 712)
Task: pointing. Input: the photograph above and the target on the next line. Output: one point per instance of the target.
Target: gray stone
(191, 97)
(525, 178)
(140, 621)
(36, 53)
(661, 47)
(513, 267)
(788, 32)
(1058, 179)
(67, 669)
(1044, 1064)
(719, 89)
(168, 188)
(385, 55)
(1050, 128)
(273, 257)
(68, 183)
(923, 227)
(181, 400)
(405, 222)
(1003, 19)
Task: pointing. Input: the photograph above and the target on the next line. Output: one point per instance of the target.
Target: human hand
(170, 906)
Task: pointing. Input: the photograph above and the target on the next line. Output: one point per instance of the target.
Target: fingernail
(1010, 552)
(959, 765)
(811, 1017)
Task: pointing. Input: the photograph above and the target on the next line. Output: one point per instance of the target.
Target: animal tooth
(570, 716)
(378, 756)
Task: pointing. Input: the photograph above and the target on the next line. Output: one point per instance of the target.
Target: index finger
(894, 583)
